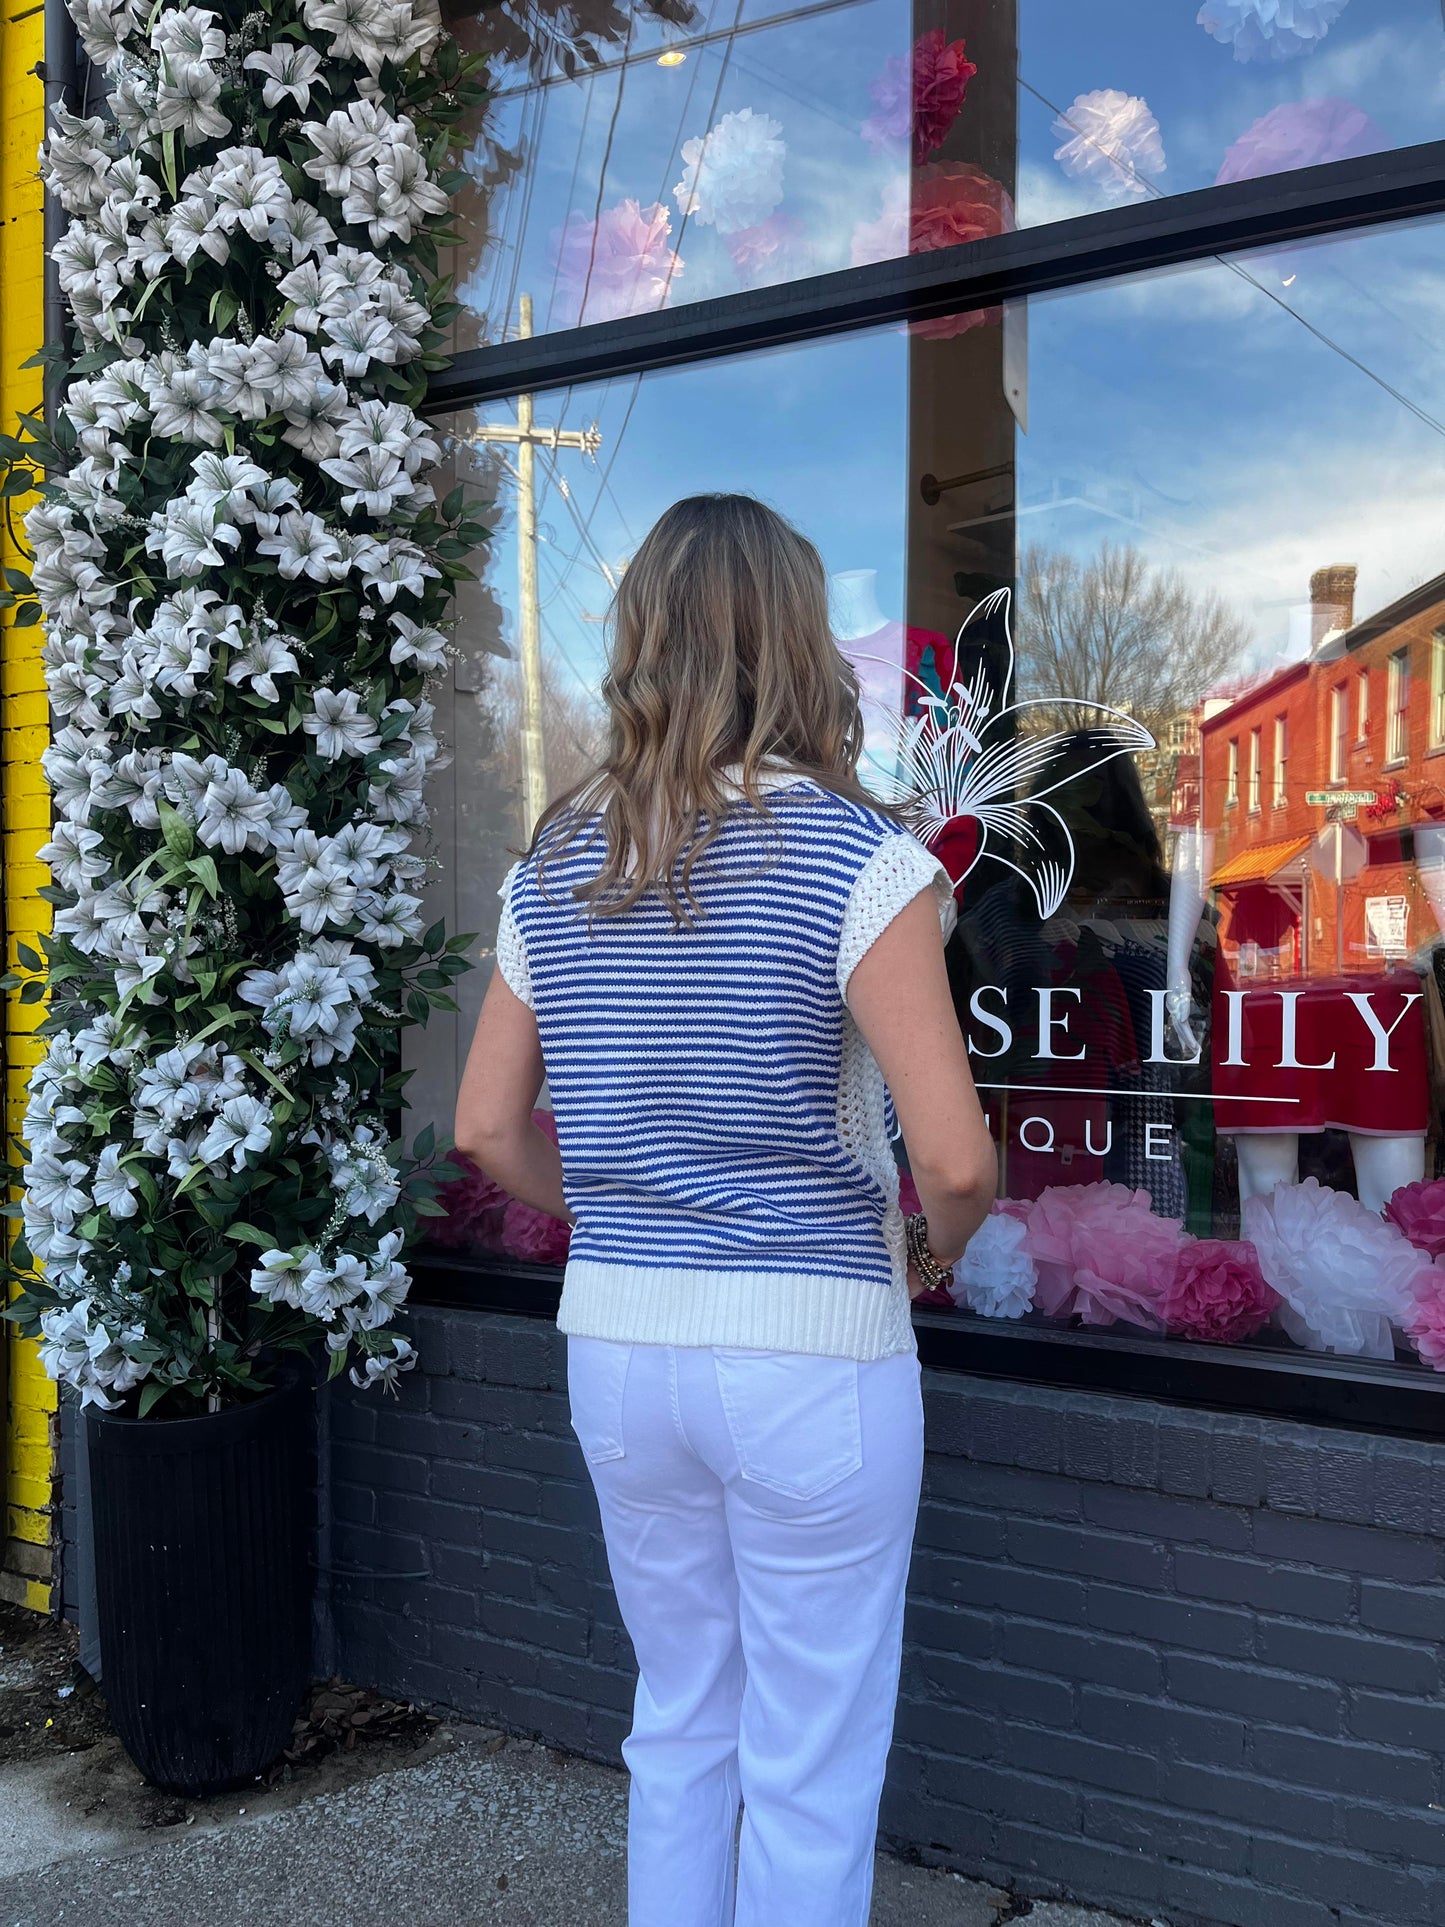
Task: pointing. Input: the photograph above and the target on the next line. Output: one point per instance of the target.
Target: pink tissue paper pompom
(1102, 1254)
(1419, 1211)
(1219, 1293)
(619, 264)
(474, 1204)
(1425, 1325)
(531, 1234)
(1301, 133)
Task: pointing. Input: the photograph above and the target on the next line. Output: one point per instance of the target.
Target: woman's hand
(901, 1002)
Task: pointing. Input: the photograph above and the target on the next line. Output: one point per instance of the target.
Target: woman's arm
(500, 1085)
(900, 1000)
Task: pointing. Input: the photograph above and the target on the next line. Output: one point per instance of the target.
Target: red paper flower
(1219, 1294)
(924, 95)
(941, 73)
(952, 202)
(1419, 1211)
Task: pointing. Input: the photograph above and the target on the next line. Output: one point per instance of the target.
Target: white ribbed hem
(752, 1310)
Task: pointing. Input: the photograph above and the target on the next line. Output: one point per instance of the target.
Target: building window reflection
(1231, 791)
(1254, 779)
(1339, 732)
(1437, 690)
(1281, 761)
(1397, 706)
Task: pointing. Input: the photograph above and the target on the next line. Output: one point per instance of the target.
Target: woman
(716, 952)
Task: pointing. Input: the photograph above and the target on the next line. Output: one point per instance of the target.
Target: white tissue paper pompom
(1344, 1274)
(1111, 139)
(733, 175)
(1270, 29)
(995, 1276)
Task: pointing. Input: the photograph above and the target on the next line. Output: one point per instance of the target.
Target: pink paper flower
(482, 1216)
(774, 250)
(925, 94)
(1301, 133)
(531, 1234)
(474, 1204)
(1219, 1294)
(618, 265)
(1419, 1211)
(1425, 1325)
(1102, 1254)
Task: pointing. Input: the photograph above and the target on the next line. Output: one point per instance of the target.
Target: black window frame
(1175, 231)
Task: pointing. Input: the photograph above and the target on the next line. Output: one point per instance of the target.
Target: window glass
(639, 154)
(1197, 508)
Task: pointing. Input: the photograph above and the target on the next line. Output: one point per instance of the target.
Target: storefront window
(1099, 542)
(650, 153)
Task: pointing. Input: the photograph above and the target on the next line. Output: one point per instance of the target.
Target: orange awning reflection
(1258, 863)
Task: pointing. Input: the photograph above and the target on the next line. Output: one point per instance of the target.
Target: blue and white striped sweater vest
(722, 1126)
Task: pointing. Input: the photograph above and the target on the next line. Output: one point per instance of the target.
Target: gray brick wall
(1180, 1663)
(1169, 1661)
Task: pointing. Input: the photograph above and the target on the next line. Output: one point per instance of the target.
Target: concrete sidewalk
(473, 1829)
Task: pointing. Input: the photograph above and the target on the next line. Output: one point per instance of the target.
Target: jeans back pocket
(793, 1419)
(596, 1388)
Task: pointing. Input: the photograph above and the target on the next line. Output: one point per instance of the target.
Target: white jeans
(759, 1511)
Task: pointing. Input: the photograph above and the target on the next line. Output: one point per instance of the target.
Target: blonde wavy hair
(722, 663)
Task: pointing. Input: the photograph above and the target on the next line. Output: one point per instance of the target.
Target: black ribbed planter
(203, 1585)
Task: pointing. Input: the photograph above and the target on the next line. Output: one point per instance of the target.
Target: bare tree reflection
(1118, 630)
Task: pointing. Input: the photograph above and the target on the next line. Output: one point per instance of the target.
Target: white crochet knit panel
(895, 874)
(511, 952)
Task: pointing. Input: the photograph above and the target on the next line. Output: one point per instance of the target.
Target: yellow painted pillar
(27, 1565)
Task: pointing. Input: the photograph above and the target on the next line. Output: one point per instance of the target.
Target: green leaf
(150, 1394)
(179, 837)
(203, 869)
(426, 1142)
(27, 615)
(19, 581)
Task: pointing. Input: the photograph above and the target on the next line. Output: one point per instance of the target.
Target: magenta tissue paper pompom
(473, 1204)
(1102, 1254)
(531, 1234)
(1219, 1293)
(1301, 133)
(1419, 1211)
(1425, 1325)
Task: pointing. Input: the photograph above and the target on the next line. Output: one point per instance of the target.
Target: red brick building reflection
(1324, 792)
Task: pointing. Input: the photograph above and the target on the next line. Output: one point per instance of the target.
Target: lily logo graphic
(975, 768)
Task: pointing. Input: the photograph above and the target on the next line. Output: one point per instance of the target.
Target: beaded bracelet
(933, 1273)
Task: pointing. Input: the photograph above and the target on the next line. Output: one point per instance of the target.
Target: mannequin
(856, 612)
(1382, 1164)
(876, 649)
